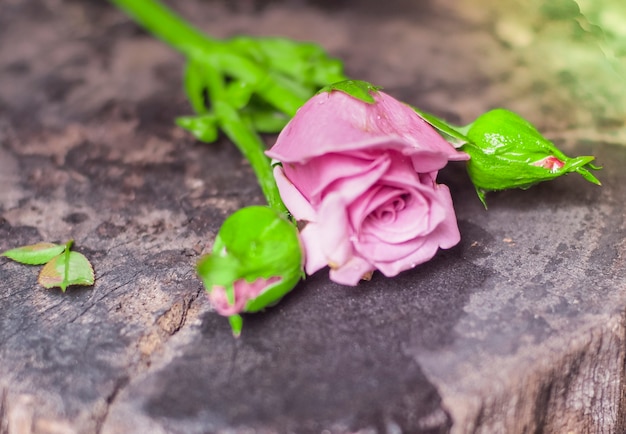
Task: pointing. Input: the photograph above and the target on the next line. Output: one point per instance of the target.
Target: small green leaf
(358, 89)
(67, 269)
(204, 127)
(264, 120)
(35, 254)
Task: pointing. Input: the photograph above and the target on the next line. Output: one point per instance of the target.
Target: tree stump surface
(520, 328)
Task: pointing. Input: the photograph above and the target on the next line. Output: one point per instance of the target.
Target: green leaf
(358, 89)
(204, 127)
(267, 121)
(308, 63)
(35, 254)
(67, 269)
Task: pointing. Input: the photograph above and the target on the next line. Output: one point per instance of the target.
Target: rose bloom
(362, 177)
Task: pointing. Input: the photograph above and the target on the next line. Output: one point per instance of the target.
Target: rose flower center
(388, 212)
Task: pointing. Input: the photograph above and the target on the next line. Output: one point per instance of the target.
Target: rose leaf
(35, 254)
(67, 269)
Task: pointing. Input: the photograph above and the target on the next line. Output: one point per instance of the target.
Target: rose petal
(427, 249)
(335, 122)
(447, 232)
(445, 235)
(336, 235)
(244, 291)
(315, 259)
(346, 173)
(351, 272)
(398, 185)
(406, 216)
(327, 243)
(295, 202)
(381, 246)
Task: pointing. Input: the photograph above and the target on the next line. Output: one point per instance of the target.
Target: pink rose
(363, 178)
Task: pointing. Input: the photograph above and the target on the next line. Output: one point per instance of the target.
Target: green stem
(245, 138)
(252, 147)
(221, 58)
(166, 25)
(175, 31)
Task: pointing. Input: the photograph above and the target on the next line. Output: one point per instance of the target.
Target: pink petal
(295, 202)
(390, 224)
(447, 231)
(351, 272)
(439, 226)
(244, 291)
(424, 253)
(444, 236)
(336, 231)
(314, 256)
(335, 122)
(327, 172)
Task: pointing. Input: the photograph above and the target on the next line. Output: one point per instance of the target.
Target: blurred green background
(569, 57)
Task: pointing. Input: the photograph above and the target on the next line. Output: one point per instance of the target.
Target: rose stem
(245, 138)
(164, 24)
(182, 36)
(167, 26)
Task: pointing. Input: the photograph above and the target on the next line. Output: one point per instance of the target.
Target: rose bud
(256, 260)
(358, 169)
(508, 152)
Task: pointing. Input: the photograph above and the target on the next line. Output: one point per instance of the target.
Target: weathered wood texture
(518, 329)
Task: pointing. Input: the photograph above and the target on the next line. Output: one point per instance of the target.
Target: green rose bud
(506, 151)
(256, 260)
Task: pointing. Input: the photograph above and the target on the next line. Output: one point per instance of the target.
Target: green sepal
(34, 254)
(454, 134)
(236, 324)
(506, 151)
(273, 293)
(358, 89)
(218, 269)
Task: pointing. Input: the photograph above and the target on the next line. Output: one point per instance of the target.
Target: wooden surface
(520, 328)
